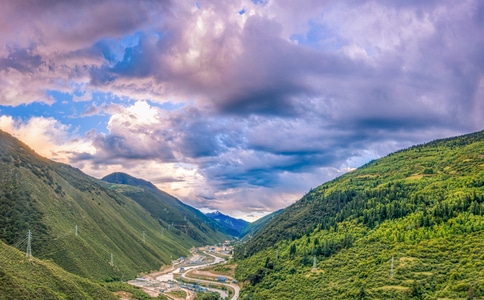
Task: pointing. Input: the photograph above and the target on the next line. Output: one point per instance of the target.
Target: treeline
(371, 208)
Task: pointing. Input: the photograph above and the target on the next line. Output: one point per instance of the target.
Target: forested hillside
(409, 225)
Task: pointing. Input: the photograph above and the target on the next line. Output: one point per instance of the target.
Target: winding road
(218, 260)
(167, 277)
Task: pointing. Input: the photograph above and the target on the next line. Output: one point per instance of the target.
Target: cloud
(265, 104)
(46, 136)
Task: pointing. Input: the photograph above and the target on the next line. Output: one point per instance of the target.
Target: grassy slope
(50, 199)
(36, 279)
(167, 209)
(422, 206)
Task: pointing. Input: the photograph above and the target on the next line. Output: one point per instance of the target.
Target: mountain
(233, 226)
(406, 226)
(171, 213)
(77, 222)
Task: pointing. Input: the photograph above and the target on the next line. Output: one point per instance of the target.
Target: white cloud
(47, 136)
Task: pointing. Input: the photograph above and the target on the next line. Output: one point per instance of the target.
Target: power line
(7, 254)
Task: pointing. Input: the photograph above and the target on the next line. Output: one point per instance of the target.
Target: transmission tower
(28, 254)
(391, 269)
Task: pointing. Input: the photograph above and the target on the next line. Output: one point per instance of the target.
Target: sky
(238, 106)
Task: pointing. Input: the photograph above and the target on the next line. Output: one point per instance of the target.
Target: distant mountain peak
(217, 213)
(235, 226)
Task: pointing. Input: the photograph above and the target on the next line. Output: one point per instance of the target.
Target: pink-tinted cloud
(269, 98)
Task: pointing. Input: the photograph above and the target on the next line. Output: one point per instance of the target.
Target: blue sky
(238, 106)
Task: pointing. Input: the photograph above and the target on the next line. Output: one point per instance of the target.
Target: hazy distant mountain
(170, 212)
(406, 226)
(234, 226)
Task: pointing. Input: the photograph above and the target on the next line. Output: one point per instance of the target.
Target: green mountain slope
(170, 212)
(21, 278)
(421, 208)
(51, 199)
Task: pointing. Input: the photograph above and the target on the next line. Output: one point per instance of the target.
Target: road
(218, 260)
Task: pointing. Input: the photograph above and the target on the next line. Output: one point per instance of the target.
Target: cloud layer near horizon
(240, 106)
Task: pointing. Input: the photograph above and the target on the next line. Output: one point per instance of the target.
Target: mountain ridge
(171, 213)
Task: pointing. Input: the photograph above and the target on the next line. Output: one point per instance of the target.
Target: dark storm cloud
(99, 76)
(272, 73)
(133, 145)
(78, 20)
(22, 60)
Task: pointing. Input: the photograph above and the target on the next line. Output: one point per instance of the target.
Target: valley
(97, 230)
(407, 226)
(241, 150)
(187, 274)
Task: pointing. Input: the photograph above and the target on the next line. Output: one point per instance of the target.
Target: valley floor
(186, 274)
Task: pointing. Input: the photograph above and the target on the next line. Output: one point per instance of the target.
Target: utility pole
(76, 229)
(144, 237)
(314, 262)
(28, 254)
(112, 260)
(162, 230)
(277, 254)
